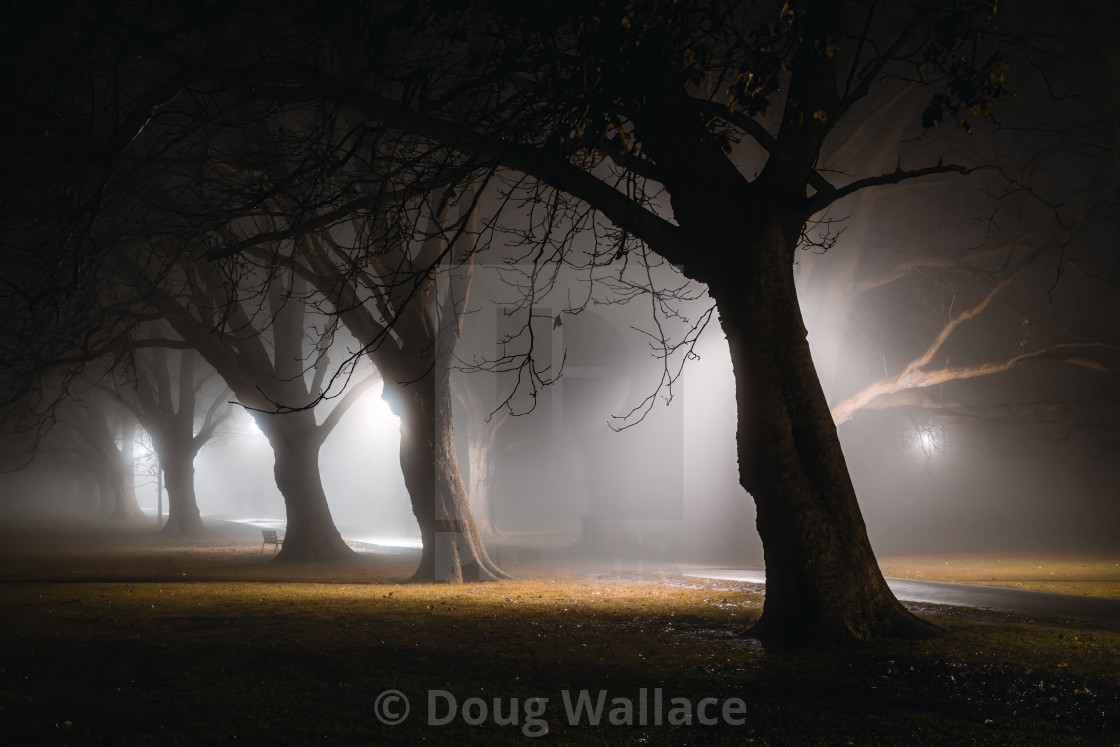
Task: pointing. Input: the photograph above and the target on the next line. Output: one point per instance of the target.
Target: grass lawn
(1083, 575)
(126, 640)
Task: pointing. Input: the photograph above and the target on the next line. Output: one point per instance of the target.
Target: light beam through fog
(983, 417)
(553, 267)
(362, 476)
(376, 415)
(917, 492)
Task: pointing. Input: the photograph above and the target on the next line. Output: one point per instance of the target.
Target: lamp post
(159, 496)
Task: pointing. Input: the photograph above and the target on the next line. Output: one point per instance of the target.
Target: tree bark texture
(482, 437)
(453, 551)
(822, 579)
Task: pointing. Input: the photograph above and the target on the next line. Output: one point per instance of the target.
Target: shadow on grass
(127, 652)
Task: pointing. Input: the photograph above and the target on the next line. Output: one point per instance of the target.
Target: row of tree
(239, 172)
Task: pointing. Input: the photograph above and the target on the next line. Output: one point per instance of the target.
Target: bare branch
(343, 405)
(1071, 353)
(821, 200)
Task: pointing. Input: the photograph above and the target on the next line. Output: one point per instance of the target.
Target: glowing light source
(928, 437)
(254, 429)
(143, 450)
(376, 415)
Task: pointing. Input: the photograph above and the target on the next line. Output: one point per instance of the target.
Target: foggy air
(490, 334)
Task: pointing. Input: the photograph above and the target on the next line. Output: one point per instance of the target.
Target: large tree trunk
(311, 534)
(482, 438)
(183, 517)
(483, 427)
(123, 476)
(453, 550)
(822, 580)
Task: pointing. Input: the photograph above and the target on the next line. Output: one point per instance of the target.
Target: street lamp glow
(376, 415)
(253, 428)
(929, 437)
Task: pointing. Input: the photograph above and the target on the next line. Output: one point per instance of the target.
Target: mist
(964, 338)
(1015, 461)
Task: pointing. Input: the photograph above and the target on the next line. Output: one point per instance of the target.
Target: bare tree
(167, 406)
(98, 440)
(405, 301)
(697, 130)
(255, 334)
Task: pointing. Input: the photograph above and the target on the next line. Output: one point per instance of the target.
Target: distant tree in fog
(180, 415)
(94, 441)
(256, 335)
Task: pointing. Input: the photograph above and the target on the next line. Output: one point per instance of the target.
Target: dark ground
(125, 638)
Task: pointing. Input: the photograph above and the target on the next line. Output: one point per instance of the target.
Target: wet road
(963, 595)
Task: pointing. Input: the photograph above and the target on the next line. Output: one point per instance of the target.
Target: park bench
(270, 538)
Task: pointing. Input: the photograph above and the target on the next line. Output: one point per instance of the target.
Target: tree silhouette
(405, 304)
(96, 439)
(699, 131)
(255, 335)
(167, 406)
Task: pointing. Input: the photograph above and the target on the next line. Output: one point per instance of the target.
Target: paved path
(963, 595)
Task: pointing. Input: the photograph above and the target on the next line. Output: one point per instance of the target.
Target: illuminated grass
(190, 645)
(1087, 576)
